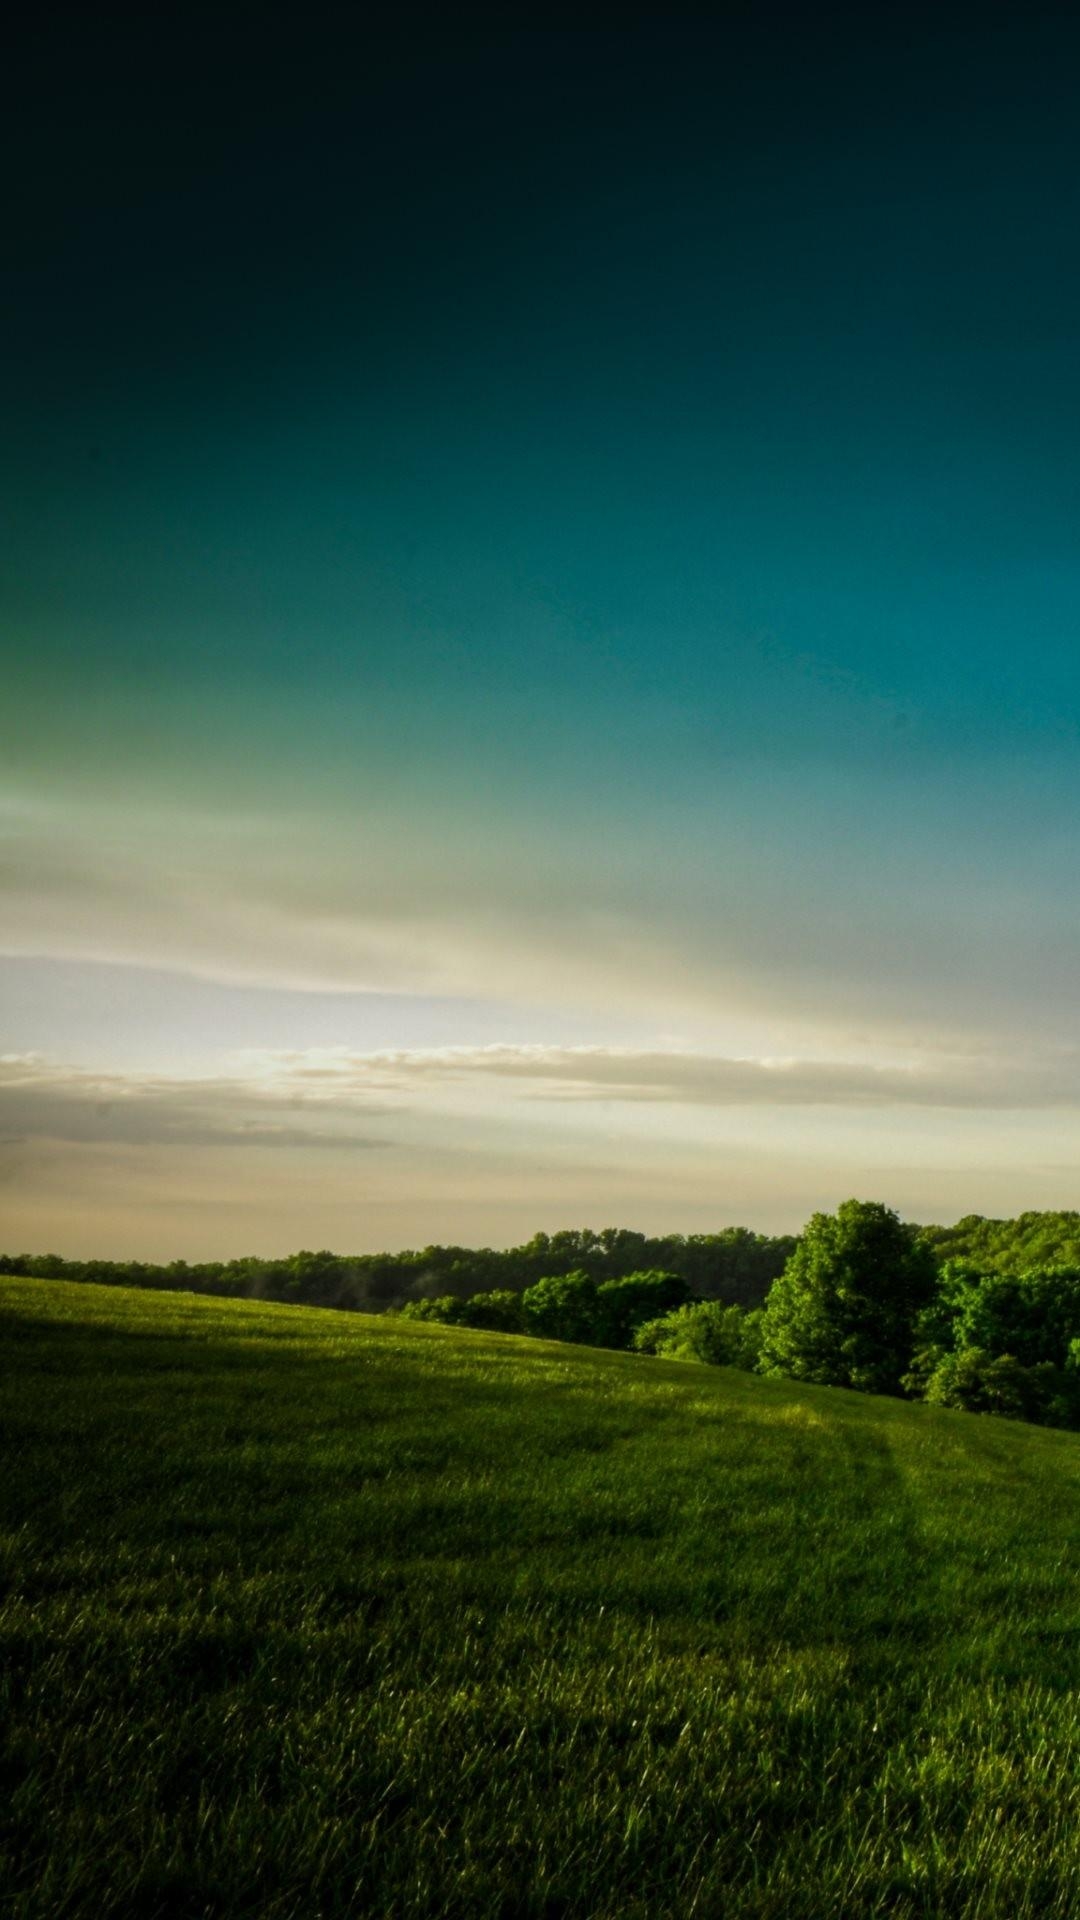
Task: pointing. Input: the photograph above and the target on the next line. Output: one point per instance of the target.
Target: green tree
(623, 1305)
(982, 1382)
(446, 1309)
(496, 1312)
(705, 1330)
(843, 1312)
(1033, 1316)
(563, 1306)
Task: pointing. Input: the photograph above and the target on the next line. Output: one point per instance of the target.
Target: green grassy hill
(310, 1614)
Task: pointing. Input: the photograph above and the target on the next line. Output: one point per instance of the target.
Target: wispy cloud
(685, 1078)
(330, 1098)
(40, 1099)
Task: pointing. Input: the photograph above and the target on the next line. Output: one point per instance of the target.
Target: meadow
(307, 1613)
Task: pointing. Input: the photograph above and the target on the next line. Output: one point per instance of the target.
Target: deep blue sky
(574, 531)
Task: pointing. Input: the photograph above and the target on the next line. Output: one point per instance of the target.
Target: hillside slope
(307, 1614)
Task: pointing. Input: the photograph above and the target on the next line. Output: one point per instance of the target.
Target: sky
(540, 626)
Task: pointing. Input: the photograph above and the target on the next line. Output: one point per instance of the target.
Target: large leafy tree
(624, 1305)
(1033, 1316)
(843, 1311)
(563, 1306)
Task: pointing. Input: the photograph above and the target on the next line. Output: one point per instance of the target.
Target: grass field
(312, 1614)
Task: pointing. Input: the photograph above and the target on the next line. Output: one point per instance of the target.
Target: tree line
(864, 1301)
(736, 1265)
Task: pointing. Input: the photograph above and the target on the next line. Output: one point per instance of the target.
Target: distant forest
(736, 1265)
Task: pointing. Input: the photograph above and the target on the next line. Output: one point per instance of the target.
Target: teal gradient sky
(559, 542)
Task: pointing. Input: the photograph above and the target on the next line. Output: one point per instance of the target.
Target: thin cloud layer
(328, 1098)
(42, 1100)
(684, 1078)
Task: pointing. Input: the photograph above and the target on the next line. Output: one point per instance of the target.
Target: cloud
(624, 1074)
(327, 1098)
(42, 1100)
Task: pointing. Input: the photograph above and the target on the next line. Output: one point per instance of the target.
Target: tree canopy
(843, 1311)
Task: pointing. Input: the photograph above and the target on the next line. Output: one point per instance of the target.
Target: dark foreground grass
(306, 1614)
